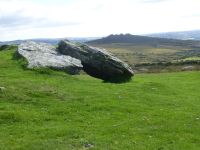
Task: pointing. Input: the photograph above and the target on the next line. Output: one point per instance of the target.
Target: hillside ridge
(144, 40)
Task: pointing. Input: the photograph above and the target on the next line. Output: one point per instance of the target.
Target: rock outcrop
(188, 68)
(97, 62)
(40, 55)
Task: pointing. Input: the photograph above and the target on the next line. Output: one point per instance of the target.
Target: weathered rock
(41, 55)
(143, 70)
(96, 61)
(188, 68)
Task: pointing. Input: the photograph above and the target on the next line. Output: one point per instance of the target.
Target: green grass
(44, 109)
(195, 58)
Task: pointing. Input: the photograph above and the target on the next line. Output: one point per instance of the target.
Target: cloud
(192, 16)
(61, 18)
(26, 15)
(153, 1)
(13, 20)
(98, 7)
(17, 20)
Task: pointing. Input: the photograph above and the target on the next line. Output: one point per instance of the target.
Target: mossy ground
(45, 109)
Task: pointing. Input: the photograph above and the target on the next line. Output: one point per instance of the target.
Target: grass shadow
(118, 79)
(7, 47)
(22, 61)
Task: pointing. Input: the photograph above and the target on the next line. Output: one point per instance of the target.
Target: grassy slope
(52, 110)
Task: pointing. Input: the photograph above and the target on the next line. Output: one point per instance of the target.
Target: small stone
(119, 97)
(188, 68)
(88, 145)
(2, 88)
(143, 70)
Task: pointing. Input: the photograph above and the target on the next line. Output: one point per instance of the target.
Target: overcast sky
(23, 19)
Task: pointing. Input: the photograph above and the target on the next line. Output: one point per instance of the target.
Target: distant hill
(135, 49)
(184, 35)
(144, 40)
(50, 41)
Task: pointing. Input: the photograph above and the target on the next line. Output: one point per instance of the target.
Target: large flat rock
(41, 55)
(96, 61)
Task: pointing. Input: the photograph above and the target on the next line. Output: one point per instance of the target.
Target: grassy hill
(145, 40)
(45, 109)
(137, 50)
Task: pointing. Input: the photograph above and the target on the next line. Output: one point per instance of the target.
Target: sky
(26, 19)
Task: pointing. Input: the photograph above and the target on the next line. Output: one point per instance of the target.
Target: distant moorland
(146, 51)
(184, 35)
